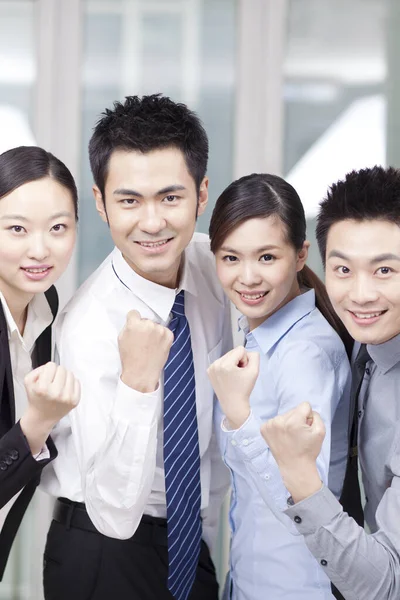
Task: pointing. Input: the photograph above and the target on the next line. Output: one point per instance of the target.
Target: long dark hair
(28, 163)
(260, 196)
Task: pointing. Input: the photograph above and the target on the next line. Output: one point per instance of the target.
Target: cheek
(10, 250)
(62, 250)
(225, 275)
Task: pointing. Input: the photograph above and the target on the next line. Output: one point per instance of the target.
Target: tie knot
(362, 357)
(178, 308)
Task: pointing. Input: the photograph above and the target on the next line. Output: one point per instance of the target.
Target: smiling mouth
(34, 270)
(254, 296)
(370, 315)
(158, 244)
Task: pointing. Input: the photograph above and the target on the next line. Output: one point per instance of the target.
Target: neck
(18, 306)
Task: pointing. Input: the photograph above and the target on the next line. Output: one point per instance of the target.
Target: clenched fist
(295, 440)
(52, 393)
(144, 348)
(233, 377)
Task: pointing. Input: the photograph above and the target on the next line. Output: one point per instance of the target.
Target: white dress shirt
(21, 347)
(111, 446)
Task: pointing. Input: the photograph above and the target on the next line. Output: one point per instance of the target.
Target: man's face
(363, 278)
(151, 206)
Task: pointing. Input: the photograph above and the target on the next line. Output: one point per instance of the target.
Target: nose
(249, 274)
(363, 290)
(152, 220)
(38, 249)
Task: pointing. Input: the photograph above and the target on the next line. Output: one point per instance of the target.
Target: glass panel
(17, 81)
(17, 72)
(182, 48)
(335, 105)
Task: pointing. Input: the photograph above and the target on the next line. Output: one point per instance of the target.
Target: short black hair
(145, 124)
(363, 195)
(29, 163)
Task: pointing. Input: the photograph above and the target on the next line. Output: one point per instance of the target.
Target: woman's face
(37, 236)
(258, 267)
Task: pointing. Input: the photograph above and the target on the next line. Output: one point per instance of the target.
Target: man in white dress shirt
(114, 526)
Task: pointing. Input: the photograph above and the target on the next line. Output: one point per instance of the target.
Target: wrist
(301, 479)
(144, 385)
(239, 419)
(36, 428)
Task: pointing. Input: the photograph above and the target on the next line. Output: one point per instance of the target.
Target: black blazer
(18, 469)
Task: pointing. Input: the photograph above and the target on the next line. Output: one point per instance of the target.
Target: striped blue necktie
(181, 458)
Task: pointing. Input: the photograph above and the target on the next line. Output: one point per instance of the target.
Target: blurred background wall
(308, 89)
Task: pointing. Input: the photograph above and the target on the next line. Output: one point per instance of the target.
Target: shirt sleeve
(114, 431)
(362, 566)
(303, 373)
(219, 476)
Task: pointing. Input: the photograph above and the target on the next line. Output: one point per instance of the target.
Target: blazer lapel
(7, 406)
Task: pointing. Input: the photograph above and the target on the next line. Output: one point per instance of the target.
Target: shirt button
(297, 519)
(234, 443)
(245, 442)
(8, 459)
(14, 454)
(359, 413)
(3, 465)
(267, 477)
(324, 562)
(367, 371)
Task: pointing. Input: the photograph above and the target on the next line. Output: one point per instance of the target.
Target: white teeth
(252, 297)
(368, 316)
(153, 244)
(36, 270)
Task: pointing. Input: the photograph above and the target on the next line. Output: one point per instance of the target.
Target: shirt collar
(277, 325)
(157, 297)
(39, 317)
(385, 355)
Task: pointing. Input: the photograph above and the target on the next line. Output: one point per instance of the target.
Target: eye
(267, 258)
(59, 227)
(229, 258)
(128, 201)
(385, 270)
(170, 199)
(17, 229)
(342, 270)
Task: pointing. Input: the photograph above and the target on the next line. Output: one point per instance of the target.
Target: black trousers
(82, 564)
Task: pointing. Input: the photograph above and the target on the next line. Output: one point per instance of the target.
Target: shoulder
(312, 339)
(201, 262)
(90, 300)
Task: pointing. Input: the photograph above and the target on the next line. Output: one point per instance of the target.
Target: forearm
(117, 461)
(36, 429)
(362, 566)
(20, 467)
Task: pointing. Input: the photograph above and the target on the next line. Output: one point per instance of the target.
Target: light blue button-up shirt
(301, 359)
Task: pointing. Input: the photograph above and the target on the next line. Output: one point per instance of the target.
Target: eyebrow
(256, 251)
(167, 190)
(25, 220)
(376, 259)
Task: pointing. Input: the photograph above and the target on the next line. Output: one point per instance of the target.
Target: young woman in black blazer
(38, 214)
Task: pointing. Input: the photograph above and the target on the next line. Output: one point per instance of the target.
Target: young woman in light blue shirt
(293, 352)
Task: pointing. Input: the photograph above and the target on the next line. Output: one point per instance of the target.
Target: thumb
(253, 360)
(304, 412)
(33, 376)
(317, 423)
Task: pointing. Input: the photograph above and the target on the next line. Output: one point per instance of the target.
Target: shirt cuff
(314, 512)
(136, 406)
(44, 454)
(251, 447)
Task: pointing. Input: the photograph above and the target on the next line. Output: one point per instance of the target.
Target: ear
(302, 256)
(100, 205)
(203, 197)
